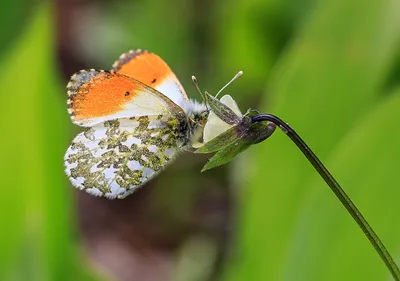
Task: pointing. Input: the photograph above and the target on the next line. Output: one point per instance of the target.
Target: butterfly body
(133, 130)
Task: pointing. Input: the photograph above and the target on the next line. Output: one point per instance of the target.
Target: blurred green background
(331, 68)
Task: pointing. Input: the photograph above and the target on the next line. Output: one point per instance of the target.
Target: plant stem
(337, 189)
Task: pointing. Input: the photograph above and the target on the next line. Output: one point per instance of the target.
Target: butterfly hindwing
(95, 96)
(150, 69)
(114, 158)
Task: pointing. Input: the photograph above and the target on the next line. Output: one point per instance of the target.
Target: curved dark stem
(337, 189)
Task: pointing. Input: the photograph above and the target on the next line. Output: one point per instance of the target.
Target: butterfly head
(197, 115)
(197, 112)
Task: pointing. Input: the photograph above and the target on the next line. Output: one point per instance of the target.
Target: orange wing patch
(105, 93)
(96, 96)
(151, 70)
(144, 66)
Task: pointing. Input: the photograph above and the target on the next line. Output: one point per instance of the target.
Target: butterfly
(137, 119)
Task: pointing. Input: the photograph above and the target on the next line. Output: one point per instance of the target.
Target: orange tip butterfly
(137, 118)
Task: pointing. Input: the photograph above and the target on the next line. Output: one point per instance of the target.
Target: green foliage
(36, 244)
(324, 86)
(366, 162)
(327, 66)
(13, 18)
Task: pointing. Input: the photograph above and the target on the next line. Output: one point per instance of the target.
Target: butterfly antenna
(196, 84)
(238, 75)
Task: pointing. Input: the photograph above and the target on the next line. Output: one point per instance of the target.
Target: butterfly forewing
(150, 69)
(136, 123)
(96, 96)
(114, 158)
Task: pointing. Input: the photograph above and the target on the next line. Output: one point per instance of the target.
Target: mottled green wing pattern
(114, 158)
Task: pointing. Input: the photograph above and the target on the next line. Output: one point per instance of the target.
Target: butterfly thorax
(192, 128)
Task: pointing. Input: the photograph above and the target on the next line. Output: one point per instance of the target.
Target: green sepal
(252, 133)
(222, 111)
(220, 141)
(227, 154)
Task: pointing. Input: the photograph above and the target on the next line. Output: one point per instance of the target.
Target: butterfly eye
(204, 114)
(127, 94)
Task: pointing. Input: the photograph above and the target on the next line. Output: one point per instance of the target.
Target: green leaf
(22, 160)
(36, 243)
(14, 17)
